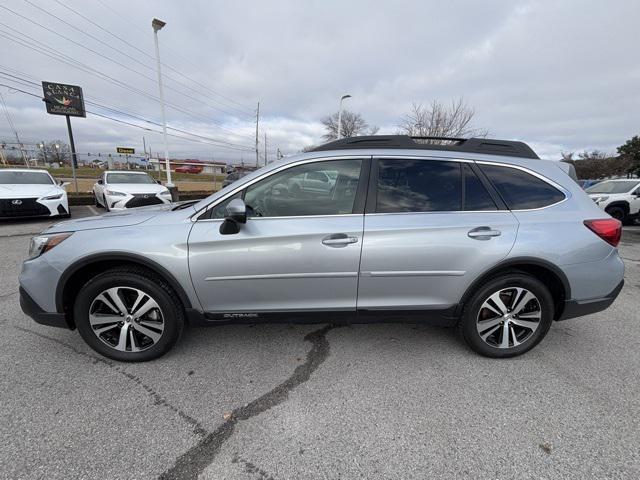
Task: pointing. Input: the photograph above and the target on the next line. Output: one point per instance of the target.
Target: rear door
(431, 227)
(298, 251)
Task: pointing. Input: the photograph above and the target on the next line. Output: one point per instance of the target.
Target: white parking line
(93, 210)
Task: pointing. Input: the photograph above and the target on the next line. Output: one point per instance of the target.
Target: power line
(236, 148)
(138, 117)
(180, 54)
(116, 62)
(244, 112)
(38, 46)
(149, 67)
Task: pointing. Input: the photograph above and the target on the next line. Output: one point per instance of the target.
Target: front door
(431, 228)
(298, 251)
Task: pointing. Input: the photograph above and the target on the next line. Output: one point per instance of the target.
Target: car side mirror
(158, 182)
(100, 182)
(236, 214)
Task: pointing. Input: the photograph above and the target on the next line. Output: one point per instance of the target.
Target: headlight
(601, 199)
(165, 192)
(53, 197)
(114, 193)
(43, 243)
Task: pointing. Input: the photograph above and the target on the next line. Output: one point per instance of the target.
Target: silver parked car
(477, 234)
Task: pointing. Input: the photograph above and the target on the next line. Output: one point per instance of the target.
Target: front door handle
(339, 240)
(483, 233)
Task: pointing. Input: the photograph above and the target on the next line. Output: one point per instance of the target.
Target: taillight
(608, 229)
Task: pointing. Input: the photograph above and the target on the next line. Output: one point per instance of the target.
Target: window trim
(358, 204)
(548, 181)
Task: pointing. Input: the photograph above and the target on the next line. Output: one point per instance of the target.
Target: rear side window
(521, 190)
(418, 186)
(476, 197)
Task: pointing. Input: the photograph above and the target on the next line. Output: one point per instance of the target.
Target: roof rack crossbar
(488, 146)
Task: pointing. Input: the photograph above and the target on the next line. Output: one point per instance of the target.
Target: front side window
(418, 186)
(319, 188)
(521, 190)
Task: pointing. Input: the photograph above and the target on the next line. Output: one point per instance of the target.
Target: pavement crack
(158, 399)
(5, 295)
(194, 461)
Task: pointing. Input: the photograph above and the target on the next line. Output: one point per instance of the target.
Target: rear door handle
(339, 240)
(483, 233)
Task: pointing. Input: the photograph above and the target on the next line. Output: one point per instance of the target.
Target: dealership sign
(63, 99)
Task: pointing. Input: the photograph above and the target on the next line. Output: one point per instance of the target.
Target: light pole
(43, 146)
(340, 116)
(157, 25)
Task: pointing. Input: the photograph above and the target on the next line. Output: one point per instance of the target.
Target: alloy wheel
(509, 317)
(126, 319)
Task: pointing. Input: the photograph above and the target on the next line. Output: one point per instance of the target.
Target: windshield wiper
(186, 204)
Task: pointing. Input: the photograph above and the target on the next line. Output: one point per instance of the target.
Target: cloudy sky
(560, 75)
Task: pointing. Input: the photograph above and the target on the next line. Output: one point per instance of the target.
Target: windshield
(129, 178)
(25, 178)
(613, 187)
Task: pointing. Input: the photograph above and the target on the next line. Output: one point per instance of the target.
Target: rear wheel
(507, 316)
(128, 315)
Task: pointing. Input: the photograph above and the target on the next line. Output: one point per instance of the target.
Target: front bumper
(33, 310)
(118, 202)
(33, 208)
(580, 308)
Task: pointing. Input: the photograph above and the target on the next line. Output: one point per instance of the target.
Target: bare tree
(352, 125)
(440, 120)
(593, 155)
(56, 151)
(567, 156)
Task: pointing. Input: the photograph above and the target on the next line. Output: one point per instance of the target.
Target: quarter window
(418, 186)
(521, 190)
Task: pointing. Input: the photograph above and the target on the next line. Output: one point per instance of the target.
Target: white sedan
(31, 193)
(119, 190)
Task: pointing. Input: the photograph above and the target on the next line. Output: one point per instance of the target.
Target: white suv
(619, 198)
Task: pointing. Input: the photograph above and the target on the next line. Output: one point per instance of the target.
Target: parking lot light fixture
(340, 116)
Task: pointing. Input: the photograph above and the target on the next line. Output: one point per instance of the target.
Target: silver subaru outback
(476, 234)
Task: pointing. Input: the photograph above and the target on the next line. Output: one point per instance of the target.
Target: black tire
(131, 277)
(618, 213)
(468, 328)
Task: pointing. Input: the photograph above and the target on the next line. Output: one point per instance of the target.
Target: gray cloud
(560, 75)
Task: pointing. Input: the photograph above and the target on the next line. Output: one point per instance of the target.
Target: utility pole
(257, 122)
(265, 148)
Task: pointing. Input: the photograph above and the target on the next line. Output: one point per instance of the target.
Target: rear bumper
(579, 308)
(32, 309)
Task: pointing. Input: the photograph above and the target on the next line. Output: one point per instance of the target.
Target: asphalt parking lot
(313, 401)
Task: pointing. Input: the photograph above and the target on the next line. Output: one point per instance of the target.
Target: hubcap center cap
(128, 319)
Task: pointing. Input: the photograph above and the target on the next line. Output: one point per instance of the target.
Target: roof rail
(487, 146)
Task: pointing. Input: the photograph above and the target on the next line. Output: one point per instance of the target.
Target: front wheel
(507, 316)
(128, 315)
(618, 213)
